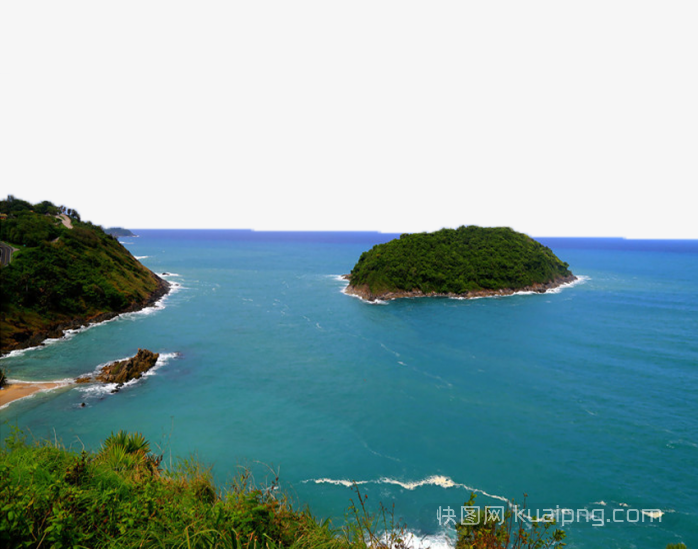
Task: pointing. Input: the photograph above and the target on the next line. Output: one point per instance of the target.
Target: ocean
(583, 401)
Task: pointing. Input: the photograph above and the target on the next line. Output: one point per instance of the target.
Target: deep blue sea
(585, 399)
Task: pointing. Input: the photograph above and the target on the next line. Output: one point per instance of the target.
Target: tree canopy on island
(119, 232)
(458, 261)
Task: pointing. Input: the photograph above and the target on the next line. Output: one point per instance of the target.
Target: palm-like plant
(131, 442)
(128, 451)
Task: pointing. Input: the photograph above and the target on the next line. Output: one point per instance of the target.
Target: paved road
(5, 253)
(65, 220)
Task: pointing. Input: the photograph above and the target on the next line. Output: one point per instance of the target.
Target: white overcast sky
(556, 118)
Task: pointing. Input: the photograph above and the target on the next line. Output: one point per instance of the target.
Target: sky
(554, 118)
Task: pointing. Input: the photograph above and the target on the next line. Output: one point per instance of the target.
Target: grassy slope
(61, 276)
(122, 497)
(458, 261)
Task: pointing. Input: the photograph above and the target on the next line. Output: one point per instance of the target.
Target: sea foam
(437, 541)
(581, 279)
(433, 480)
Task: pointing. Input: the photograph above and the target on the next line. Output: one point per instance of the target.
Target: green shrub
(489, 531)
(121, 497)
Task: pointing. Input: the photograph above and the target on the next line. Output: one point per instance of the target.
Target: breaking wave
(433, 480)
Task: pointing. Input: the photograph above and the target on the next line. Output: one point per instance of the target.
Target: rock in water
(125, 370)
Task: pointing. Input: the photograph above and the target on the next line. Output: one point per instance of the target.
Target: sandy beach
(20, 389)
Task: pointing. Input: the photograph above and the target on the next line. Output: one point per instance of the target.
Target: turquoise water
(586, 398)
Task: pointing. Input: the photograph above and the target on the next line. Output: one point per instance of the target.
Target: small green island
(466, 262)
(119, 232)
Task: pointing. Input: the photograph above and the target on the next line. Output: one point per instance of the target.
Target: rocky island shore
(468, 262)
(364, 292)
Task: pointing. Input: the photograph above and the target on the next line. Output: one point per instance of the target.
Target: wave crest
(441, 481)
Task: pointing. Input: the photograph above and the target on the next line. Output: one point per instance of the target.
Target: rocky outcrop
(365, 293)
(123, 371)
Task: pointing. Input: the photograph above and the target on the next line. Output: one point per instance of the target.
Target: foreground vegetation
(122, 497)
(61, 275)
(458, 261)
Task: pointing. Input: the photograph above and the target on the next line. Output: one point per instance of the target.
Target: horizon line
(373, 231)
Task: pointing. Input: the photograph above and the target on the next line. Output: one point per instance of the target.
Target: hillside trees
(458, 261)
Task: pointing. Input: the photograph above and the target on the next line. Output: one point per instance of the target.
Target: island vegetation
(118, 232)
(468, 261)
(63, 273)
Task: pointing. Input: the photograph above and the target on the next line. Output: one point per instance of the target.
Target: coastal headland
(65, 274)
